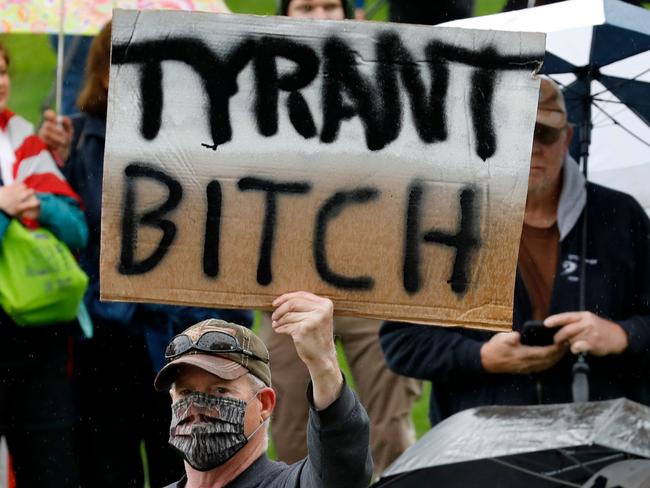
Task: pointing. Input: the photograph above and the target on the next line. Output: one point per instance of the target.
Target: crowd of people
(76, 408)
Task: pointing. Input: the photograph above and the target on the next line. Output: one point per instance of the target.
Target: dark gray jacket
(339, 456)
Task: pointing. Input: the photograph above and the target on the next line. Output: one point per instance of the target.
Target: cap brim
(216, 365)
(551, 118)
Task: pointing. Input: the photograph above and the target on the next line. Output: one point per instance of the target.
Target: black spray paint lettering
(343, 77)
(212, 229)
(482, 92)
(331, 209)
(151, 218)
(379, 105)
(465, 240)
(346, 91)
(219, 77)
(272, 190)
(269, 83)
(427, 109)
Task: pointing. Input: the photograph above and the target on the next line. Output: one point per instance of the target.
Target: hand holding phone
(534, 333)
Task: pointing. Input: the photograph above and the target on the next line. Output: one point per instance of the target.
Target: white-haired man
(220, 382)
(473, 368)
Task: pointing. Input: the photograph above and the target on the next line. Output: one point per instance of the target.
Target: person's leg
(290, 379)
(387, 397)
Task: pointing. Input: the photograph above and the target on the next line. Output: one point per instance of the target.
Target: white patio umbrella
(599, 50)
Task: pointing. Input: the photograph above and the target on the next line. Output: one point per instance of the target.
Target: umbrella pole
(580, 371)
(585, 141)
(60, 58)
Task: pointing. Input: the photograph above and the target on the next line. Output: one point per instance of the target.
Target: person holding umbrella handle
(57, 132)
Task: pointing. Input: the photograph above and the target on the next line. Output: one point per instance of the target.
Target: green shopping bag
(40, 280)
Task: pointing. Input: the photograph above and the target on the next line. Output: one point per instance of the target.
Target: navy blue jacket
(618, 288)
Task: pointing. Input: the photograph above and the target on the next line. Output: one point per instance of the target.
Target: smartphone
(534, 333)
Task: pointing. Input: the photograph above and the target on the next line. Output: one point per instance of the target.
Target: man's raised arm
(339, 434)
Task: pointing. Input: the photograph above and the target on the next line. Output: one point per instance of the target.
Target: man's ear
(267, 399)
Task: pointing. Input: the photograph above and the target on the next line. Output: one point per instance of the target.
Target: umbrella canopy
(84, 16)
(625, 474)
(599, 50)
(532, 446)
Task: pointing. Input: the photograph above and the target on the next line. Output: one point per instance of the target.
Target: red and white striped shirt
(25, 158)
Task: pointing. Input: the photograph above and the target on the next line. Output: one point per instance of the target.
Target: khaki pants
(387, 397)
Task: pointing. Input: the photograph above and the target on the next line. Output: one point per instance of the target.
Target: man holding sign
(471, 368)
(220, 383)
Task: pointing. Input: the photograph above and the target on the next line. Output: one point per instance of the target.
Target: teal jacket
(62, 216)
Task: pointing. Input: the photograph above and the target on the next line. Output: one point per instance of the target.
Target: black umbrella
(539, 446)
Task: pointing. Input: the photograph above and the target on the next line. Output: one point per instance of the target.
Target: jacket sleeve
(637, 329)
(338, 443)
(5, 220)
(65, 219)
(427, 352)
(637, 326)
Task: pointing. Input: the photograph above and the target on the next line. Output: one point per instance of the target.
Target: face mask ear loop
(256, 429)
(265, 422)
(254, 395)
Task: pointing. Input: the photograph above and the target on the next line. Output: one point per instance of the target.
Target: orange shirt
(538, 255)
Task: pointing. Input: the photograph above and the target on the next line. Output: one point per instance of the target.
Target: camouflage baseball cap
(224, 349)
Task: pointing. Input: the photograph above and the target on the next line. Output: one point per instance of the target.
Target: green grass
(32, 69)
(260, 7)
(420, 413)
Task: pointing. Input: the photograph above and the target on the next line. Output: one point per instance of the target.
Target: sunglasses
(212, 342)
(547, 135)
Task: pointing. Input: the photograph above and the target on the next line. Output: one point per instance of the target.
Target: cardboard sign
(384, 166)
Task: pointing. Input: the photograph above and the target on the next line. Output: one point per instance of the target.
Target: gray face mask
(216, 437)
